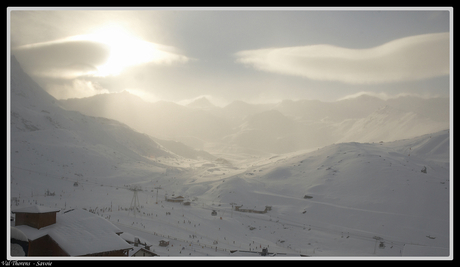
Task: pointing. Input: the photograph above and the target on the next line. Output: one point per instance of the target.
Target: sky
(257, 55)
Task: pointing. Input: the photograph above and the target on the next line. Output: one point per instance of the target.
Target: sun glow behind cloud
(127, 50)
(406, 59)
(76, 60)
(104, 52)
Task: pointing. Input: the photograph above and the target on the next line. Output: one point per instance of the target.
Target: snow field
(344, 199)
(356, 196)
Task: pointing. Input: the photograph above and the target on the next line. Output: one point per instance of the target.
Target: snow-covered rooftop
(137, 249)
(79, 232)
(35, 209)
(17, 234)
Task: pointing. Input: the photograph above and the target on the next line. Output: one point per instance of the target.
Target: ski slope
(342, 200)
(359, 192)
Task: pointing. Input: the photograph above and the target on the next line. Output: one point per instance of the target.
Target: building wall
(174, 200)
(45, 246)
(143, 253)
(238, 208)
(35, 220)
(164, 243)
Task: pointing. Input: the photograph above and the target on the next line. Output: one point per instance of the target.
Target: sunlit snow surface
(344, 199)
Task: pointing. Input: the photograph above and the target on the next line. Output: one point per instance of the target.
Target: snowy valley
(375, 185)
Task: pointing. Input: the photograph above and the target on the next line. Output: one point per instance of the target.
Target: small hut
(164, 243)
(35, 216)
(175, 199)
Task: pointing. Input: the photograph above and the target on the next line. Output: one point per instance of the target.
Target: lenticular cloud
(410, 58)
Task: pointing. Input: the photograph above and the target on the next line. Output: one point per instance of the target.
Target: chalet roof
(79, 232)
(132, 238)
(34, 209)
(137, 249)
(133, 251)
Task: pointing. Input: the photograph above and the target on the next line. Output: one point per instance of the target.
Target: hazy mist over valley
(229, 134)
(286, 126)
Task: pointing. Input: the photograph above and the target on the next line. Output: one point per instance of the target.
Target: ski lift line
(289, 222)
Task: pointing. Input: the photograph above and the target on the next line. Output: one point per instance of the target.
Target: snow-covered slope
(238, 110)
(287, 126)
(164, 120)
(387, 124)
(368, 189)
(345, 199)
(48, 138)
(204, 104)
(315, 110)
(268, 131)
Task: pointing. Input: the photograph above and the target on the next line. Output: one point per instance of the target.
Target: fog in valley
(231, 133)
(282, 127)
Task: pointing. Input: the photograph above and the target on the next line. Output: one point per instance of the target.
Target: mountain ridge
(316, 122)
(352, 199)
(39, 122)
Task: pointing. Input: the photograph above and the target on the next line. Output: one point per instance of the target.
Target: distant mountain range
(272, 128)
(352, 198)
(44, 132)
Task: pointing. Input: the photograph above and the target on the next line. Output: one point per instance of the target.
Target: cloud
(383, 95)
(406, 59)
(146, 96)
(89, 55)
(62, 59)
(70, 64)
(77, 88)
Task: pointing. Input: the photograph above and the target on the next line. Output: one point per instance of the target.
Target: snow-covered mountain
(344, 199)
(312, 123)
(336, 111)
(164, 120)
(269, 131)
(182, 150)
(387, 124)
(46, 137)
(202, 103)
(238, 110)
(360, 195)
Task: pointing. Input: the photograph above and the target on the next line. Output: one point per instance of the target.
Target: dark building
(75, 232)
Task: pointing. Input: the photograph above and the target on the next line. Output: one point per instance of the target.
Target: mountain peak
(25, 90)
(202, 103)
